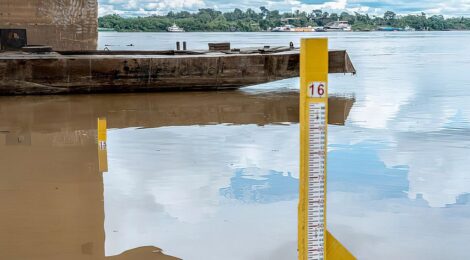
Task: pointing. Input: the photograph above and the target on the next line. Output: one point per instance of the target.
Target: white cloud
(147, 7)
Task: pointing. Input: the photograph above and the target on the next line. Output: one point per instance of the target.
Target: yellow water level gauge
(315, 243)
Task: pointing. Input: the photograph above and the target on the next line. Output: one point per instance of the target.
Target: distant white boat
(285, 28)
(338, 26)
(175, 28)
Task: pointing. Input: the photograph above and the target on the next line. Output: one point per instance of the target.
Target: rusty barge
(66, 72)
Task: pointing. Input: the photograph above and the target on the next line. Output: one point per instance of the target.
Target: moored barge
(64, 72)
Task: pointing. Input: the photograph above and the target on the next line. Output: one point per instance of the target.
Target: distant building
(64, 24)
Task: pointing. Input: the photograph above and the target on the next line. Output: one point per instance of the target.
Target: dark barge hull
(122, 71)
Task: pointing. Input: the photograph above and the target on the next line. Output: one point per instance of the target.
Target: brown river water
(214, 175)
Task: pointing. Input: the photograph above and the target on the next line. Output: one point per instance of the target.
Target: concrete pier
(64, 25)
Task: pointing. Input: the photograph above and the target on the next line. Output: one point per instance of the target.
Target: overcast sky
(378, 7)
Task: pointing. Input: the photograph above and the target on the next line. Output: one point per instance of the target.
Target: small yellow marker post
(102, 145)
(315, 243)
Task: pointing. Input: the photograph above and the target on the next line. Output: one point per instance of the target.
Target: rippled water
(215, 175)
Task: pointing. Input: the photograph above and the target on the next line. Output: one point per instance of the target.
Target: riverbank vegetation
(264, 19)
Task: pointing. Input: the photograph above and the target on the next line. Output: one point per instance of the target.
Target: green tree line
(251, 21)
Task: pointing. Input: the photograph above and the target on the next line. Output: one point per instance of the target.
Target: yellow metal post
(313, 122)
(102, 145)
(315, 243)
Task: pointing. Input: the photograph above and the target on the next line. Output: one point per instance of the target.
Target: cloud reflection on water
(174, 195)
(373, 198)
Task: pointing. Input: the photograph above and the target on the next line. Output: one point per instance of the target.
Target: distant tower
(62, 24)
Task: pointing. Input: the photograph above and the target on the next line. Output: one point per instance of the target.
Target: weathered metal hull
(93, 72)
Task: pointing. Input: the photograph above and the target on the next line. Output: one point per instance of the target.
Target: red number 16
(320, 90)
